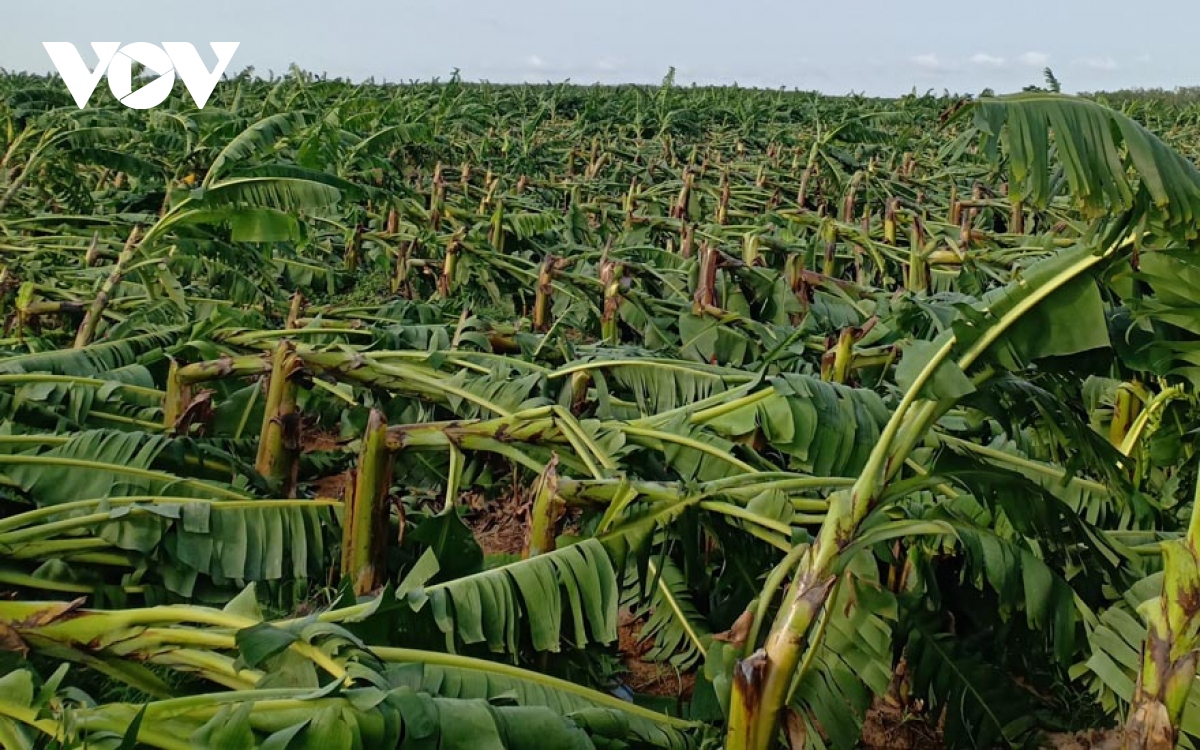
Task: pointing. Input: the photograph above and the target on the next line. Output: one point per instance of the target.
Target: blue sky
(872, 46)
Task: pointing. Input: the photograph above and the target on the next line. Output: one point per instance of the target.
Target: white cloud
(607, 64)
(535, 62)
(928, 61)
(1098, 63)
(985, 59)
(1142, 59)
(1035, 59)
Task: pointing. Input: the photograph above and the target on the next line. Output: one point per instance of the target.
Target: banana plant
(776, 384)
(999, 333)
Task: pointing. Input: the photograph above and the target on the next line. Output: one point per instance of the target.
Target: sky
(876, 47)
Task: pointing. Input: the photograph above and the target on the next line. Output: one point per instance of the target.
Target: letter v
(80, 81)
(196, 76)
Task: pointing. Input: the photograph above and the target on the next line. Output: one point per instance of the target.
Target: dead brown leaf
(11, 640)
(797, 733)
(52, 613)
(739, 632)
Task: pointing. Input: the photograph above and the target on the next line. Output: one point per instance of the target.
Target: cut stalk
(446, 279)
(279, 439)
(1172, 647)
(546, 510)
(87, 329)
(177, 398)
(364, 530)
(610, 278)
(1126, 407)
(836, 368)
(705, 295)
(889, 221)
(542, 298)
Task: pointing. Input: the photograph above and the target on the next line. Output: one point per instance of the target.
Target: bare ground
(333, 485)
(499, 525)
(890, 726)
(647, 677)
(1094, 739)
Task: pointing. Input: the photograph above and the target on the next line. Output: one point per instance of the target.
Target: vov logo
(166, 61)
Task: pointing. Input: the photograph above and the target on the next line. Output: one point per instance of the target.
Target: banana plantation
(440, 415)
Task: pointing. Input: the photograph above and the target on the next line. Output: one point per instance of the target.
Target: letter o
(120, 75)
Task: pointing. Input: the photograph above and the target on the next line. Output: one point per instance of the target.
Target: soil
(1095, 739)
(313, 441)
(646, 677)
(333, 485)
(890, 726)
(499, 524)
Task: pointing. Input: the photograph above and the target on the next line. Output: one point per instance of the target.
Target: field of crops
(463, 416)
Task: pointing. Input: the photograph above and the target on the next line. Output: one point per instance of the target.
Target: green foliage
(685, 333)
